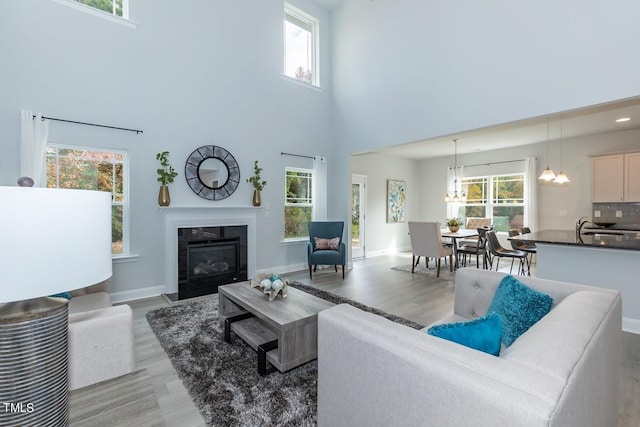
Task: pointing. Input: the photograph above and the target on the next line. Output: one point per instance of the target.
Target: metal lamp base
(33, 362)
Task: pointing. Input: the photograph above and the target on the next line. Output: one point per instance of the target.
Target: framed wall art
(396, 201)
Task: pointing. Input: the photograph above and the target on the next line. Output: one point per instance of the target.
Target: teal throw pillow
(483, 333)
(65, 295)
(519, 306)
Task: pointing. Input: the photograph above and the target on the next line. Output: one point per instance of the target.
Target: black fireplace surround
(209, 257)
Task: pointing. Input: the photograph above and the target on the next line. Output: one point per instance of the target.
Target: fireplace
(209, 257)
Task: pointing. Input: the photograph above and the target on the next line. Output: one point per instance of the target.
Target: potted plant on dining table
(453, 224)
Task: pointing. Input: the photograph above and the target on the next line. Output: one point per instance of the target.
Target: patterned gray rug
(222, 378)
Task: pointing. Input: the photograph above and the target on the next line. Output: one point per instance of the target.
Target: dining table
(461, 233)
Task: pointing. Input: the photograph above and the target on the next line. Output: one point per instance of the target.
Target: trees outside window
(94, 169)
(499, 197)
(114, 7)
(298, 202)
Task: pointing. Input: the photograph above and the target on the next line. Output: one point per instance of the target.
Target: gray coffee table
(284, 331)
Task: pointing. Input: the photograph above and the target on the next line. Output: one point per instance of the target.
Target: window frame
(301, 16)
(310, 171)
(90, 10)
(490, 200)
(125, 203)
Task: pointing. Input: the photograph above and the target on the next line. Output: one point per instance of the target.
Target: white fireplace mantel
(176, 217)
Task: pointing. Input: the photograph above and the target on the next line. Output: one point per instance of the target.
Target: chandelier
(548, 174)
(561, 178)
(453, 196)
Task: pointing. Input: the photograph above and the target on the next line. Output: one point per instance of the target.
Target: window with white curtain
(298, 202)
(97, 169)
(300, 45)
(499, 197)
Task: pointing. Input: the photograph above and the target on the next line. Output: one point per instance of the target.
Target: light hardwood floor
(371, 282)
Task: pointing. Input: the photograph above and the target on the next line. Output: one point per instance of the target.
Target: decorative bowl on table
(271, 284)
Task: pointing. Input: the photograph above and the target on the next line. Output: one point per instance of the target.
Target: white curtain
(531, 193)
(34, 134)
(319, 188)
(452, 185)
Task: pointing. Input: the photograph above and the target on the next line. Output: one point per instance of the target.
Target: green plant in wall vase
(166, 174)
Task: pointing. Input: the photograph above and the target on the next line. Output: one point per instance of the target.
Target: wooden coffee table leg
(229, 320)
(262, 357)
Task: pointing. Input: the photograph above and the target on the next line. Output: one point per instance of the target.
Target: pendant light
(561, 178)
(453, 196)
(548, 174)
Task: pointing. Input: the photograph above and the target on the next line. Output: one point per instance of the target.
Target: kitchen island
(599, 259)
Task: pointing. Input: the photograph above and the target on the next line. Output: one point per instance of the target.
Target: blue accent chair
(326, 230)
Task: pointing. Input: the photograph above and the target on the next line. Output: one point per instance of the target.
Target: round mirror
(212, 172)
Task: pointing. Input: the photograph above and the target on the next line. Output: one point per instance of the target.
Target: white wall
(196, 73)
(382, 237)
(407, 70)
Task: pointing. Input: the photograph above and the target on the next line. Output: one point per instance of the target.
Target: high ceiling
(586, 121)
(330, 4)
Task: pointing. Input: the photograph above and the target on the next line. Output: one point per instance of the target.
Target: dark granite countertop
(627, 240)
(622, 227)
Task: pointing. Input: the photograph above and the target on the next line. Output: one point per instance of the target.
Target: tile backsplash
(610, 212)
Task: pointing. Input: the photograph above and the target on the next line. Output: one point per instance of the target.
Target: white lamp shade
(561, 178)
(52, 241)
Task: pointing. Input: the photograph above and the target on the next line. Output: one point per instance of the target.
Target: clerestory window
(300, 45)
(114, 7)
(111, 10)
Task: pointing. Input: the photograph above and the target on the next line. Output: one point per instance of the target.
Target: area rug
(222, 378)
(431, 272)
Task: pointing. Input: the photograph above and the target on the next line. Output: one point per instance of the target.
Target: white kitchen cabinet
(607, 179)
(632, 177)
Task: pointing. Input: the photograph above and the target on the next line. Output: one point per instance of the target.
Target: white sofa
(100, 339)
(564, 371)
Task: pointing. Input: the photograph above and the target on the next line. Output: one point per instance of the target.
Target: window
(298, 202)
(499, 197)
(116, 11)
(94, 169)
(300, 45)
(114, 7)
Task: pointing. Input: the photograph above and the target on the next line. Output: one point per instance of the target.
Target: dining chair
(426, 241)
(477, 248)
(497, 251)
(527, 247)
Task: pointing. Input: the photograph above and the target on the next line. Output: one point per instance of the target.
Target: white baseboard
(284, 269)
(124, 296)
(631, 325)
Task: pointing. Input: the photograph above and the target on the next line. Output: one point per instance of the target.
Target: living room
(390, 73)
(180, 89)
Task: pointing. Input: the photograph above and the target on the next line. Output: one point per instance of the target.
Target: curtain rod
(90, 124)
(492, 163)
(297, 155)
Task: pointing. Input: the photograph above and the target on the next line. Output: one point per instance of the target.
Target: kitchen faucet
(580, 223)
